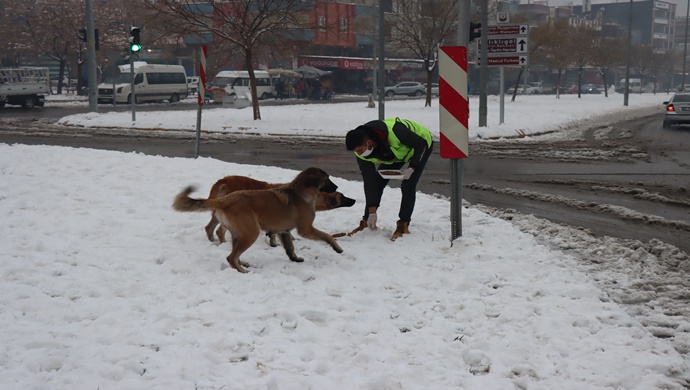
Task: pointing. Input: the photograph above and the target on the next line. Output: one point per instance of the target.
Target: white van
(152, 82)
(634, 86)
(228, 79)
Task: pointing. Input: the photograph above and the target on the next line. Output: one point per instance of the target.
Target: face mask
(367, 152)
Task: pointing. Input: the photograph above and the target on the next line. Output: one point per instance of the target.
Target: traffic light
(135, 40)
(475, 30)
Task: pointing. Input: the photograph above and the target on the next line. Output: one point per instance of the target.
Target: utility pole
(685, 46)
(484, 67)
(91, 57)
(457, 164)
(382, 66)
(627, 57)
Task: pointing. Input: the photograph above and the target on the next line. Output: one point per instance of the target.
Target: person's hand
(407, 173)
(371, 221)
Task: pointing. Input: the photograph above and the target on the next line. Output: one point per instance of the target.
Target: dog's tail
(184, 203)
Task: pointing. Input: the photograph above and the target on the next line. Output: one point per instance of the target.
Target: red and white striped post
(454, 117)
(201, 86)
(200, 92)
(454, 104)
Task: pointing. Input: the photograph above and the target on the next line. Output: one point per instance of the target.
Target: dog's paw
(297, 259)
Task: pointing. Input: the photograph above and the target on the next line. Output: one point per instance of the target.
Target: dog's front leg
(286, 240)
(316, 234)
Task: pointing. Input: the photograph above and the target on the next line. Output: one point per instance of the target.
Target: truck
(24, 87)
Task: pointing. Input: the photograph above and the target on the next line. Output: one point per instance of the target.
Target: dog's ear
(313, 180)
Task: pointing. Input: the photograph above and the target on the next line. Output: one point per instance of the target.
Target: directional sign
(506, 61)
(508, 29)
(508, 44)
(504, 40)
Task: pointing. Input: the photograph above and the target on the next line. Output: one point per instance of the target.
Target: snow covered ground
(105, 286)
(528, 115)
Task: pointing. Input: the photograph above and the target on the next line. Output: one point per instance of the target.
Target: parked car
(682, 88)
(434, 89)
(590, 89)
(634, 86)
(65, 81)
(569, 88)
(539, 88)
(522, 90)
(677, 109)
(409, 88)
(193, 85)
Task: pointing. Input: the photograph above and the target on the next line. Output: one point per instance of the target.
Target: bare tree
(642, 61)
(538, 38)
(245, 24)
(606, 54)
(657, 61)
(13, 43)
(52, 27)
(420, 28)
(583, 39)
(669, 65)
(557, 50)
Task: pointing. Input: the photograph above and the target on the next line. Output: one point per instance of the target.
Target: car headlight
(119, 90)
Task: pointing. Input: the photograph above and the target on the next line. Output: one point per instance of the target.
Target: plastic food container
(394, 174)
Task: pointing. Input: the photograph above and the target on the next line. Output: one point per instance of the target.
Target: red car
(569, 88)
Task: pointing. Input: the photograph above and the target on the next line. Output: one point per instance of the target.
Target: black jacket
(378, 131)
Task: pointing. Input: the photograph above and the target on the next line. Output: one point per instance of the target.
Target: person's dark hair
(355, 137)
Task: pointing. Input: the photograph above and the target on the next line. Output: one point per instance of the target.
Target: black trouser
(374, 185)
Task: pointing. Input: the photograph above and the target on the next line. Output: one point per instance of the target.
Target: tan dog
(278, 210)
(229, 184)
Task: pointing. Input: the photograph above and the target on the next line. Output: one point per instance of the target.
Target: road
(630, 180)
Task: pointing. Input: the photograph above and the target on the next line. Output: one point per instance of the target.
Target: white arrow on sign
(505, 61)
(507, 44)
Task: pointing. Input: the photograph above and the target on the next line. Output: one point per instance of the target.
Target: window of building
(322, 23)
(343, 25)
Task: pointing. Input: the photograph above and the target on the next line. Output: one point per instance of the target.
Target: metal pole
(685, 46)
(484, 67)
(91, 57)
(197, 141)
(457, 164)
(627, 57)
(382, 66)
(375, 74)
(502, 96)
(133, 97)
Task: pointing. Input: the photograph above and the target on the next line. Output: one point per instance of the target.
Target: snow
(298, 120)
(105, 286)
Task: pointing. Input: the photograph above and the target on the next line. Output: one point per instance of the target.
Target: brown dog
(229, 184)
(245, 213)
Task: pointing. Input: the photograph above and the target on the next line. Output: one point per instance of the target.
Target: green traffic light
(135, 48)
